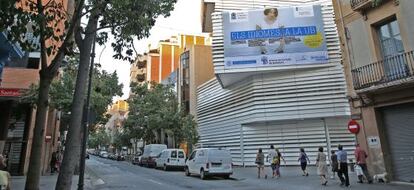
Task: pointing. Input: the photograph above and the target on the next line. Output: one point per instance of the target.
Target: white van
(171, 158)
(209, 162)
(151, 152)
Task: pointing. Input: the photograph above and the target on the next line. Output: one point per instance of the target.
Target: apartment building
(377, 43)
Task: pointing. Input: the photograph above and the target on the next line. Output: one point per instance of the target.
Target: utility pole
(85, 130)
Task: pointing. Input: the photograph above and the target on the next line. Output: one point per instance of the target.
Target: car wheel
(165, 167)
(186, 171)
(226, 176)
(202, 174)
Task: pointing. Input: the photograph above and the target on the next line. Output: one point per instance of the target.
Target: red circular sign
(353, 127)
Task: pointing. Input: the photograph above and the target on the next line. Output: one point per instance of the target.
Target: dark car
(151, 153)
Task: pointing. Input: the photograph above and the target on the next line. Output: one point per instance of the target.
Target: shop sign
(6, 92)
(353, 127)
(274, 37)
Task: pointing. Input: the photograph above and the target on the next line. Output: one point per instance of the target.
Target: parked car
(119, 157)
(151, 152)
(103, 154)
(209, 162)
(136, 160)
(171, 158)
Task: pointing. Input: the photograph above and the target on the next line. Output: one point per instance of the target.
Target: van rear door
(220, 160)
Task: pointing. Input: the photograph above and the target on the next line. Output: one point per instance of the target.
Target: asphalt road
(108, 174)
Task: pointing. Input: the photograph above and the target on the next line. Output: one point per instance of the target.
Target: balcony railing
(390, 69)
(360, 4)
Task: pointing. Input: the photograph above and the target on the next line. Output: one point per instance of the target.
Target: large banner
(274, 36)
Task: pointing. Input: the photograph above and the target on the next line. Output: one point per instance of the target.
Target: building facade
(196, 68)
(244, 109)
(377, 45)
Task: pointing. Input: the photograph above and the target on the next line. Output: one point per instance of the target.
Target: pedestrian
(271, 156)
(343, 166)
(3, 164)
(277, 161)
(303, 159)
(53, 162)
(334, 163)
(58, 160)
(361, 159)
(260, 163)
(322, 167)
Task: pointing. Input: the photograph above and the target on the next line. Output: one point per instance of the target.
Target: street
(108, 174)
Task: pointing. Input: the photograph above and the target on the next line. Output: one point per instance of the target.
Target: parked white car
(209, 162)
(171, 158)
(103, 154)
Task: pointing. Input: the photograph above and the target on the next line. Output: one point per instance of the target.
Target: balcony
(357, 5)
(141, 77)
(394, 68)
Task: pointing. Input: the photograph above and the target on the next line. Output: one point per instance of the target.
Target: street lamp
(86, 109)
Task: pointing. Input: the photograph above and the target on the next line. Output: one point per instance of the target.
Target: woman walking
(260, 163)
(322, 167)
(334, 163)
(303, 159)
(276, 162)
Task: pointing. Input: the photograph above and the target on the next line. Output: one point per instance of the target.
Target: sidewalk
(292, 179)
(47, 182)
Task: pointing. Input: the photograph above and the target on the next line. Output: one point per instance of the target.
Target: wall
(201, 70)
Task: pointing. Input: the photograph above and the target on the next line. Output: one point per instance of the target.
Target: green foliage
(121, 138)
(155, 109)
(104, 87)
(99, 138)
(21, 19)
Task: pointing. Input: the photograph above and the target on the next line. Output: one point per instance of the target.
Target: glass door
(392, 49)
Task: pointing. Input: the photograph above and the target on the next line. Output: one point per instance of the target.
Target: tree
(54, 26)
(124, 20)
(57, 28)
(156, 109)
(99, 138)
(105, 86)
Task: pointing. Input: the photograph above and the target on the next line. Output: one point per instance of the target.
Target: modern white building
(244, 109)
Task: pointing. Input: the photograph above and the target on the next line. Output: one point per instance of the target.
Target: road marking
(153, 181)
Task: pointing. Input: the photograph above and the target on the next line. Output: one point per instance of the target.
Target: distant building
(377, 45)
(118, 114)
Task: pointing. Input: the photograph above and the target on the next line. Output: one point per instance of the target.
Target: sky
(184, 19)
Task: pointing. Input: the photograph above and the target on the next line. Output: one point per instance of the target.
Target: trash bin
(351, 165)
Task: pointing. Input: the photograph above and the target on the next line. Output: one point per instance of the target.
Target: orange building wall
(200, 40)
(155, 68)
(166, 57)
(177, 53)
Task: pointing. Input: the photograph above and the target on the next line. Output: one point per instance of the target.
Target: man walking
(270, 157)
(361, 159)
(343, 166)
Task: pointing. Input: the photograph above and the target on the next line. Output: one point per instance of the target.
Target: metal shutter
(399, 126)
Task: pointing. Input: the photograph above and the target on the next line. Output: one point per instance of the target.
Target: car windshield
(180, 154)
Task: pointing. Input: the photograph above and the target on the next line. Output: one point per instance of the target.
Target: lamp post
(85, 130)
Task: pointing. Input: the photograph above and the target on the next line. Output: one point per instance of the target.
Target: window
(390, 39)
(33, 63)
(180, 154)
(174, 154)
(193, 155)
(391, 49)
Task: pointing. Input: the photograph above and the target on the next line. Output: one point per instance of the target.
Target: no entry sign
(353, 127)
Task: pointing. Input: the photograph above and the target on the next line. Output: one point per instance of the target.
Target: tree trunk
(73, 141)
(34, 172)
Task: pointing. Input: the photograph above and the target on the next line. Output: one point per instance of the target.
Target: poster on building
(274, 36)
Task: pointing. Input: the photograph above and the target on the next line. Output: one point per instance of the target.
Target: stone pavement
(292, 179)
(47, 182)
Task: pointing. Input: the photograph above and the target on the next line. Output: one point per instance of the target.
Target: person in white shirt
(270, 22)
(270, 157)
